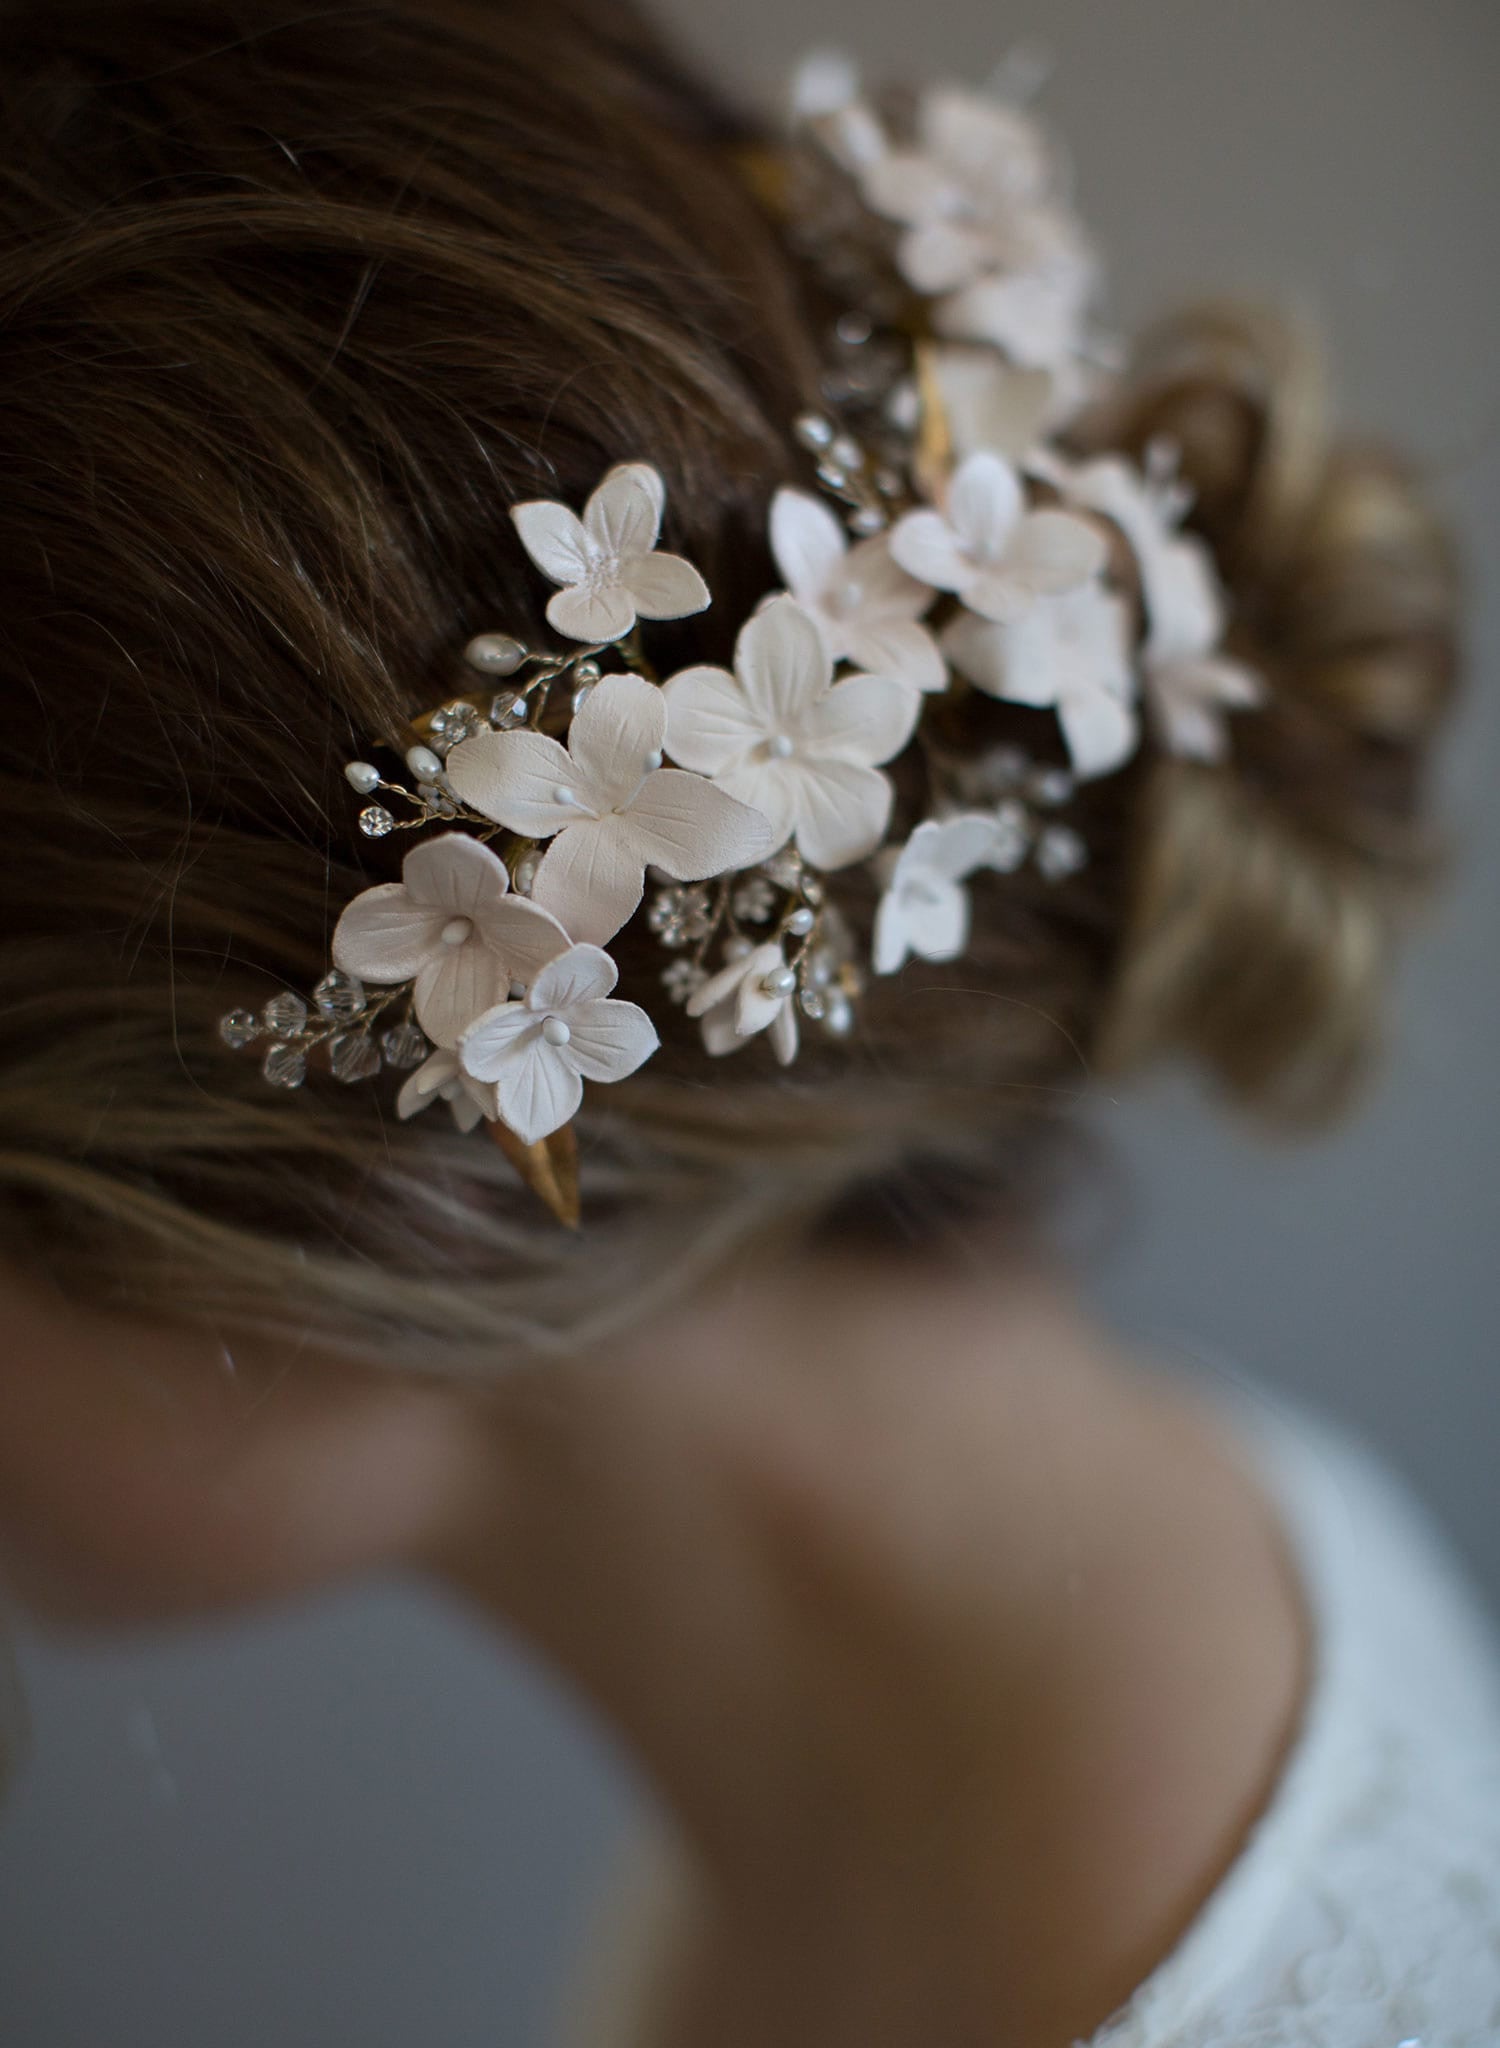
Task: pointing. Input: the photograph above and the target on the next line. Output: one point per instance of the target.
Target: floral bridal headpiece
(948, 544)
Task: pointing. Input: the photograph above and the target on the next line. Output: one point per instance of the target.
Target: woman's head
(294, 309)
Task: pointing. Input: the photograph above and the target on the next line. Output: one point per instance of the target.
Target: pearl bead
(563, 795)
(779, 982)
(555, 1031)
(780, 746)
(496, 653)
(653, 762)
(456, 930)
(800, 923)
(424, 763)
(363, 776)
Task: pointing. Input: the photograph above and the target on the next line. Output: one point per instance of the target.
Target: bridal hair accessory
(949, 544)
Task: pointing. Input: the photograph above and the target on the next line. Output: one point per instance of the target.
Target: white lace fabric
(1364, 1909)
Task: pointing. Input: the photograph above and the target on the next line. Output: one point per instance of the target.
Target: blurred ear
(147, 1472)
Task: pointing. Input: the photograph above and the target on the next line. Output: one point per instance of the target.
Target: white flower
(440, 1078)
(782, 735)
(987, 547)
(983, 227)
(755, 992)
(1071, 653)
(453, 925)
(1189, 685)
(538, 1052)
(825, 96)
(608, 805)
(606, 561)
(990, 403)
(925, 908)
(865, 607)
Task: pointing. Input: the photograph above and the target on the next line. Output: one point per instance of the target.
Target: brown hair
(294, 305)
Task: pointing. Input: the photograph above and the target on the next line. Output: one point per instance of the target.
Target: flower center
(555, 1031)
(780, 746)
(457, 930)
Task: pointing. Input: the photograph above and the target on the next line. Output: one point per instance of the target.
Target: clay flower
(1069, 653)
(537, 1053)
(1189, 684)
(782, 735)
(440, 1078)
(451, 924)
(925, 907)
(608, 805)
(606, 561)
(984, 545)
(865, 607)
(755, 992)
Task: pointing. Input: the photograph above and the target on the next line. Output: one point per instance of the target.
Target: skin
(959, 1647)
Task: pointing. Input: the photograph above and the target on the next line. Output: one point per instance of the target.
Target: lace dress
(1364, 1909)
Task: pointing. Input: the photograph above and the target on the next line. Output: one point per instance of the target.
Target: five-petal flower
(781, 735)
(757, 991)
(864, 605)
(925, 907)
(1071, 653)
(452, 924)
(608, 805)
(441, 1078)
(538, 1052)
(607, 561)
(984, 544)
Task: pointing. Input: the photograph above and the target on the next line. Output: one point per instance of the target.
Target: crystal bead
(497, 654)
(507, 708)
(239, 1029)
(285, 1066)
(353, 1056)
(854, 329)
(587, 671)
(404, 1046)
(682, 978)
(867, 520)
(1012, 841)
(284, 1015)
(452, 725)
(784, 869)
(813, 1004)
(754, 900)
(829, 473)
(339, 996)
(581, 696)
(1060, 853)
(375, 821)
(839, 1017)
(812, 430)
(846, 452)
(1051, 787)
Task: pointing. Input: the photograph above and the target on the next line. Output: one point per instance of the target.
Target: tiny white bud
(555, 1031)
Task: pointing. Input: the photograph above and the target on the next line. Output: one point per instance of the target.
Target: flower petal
(664, 586)
(755, 1005)
(471, 1104)
(1101, 731)
(906, 186)
(555, 539)
(842, 810)
(610, 1040)
(783, 1034)
(513, 778)
(621, 726)
(937, 920)
(600, 610)
(951, 847)
(722, 987)
(985, 504)
(993, 147)
(926, 546)
(458, 984)
(592, 877)
(496, 1037)
(454, 873)
(422, 1088)
(1053, 552)
(890, 944)
(942, 255)
(807, 541)
(710, 722)
(1014, 661)
(538, 1090)
(522, 936)
(719, 1034)
(584, 974)
(872, 585)
(623, 516)
(384, 936)
(782, 663)
(769, 788)
(899, 648)
(694, 829)
(863, 718)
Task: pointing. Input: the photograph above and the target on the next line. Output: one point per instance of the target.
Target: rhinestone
(452, 725)
(1060, 853)
(1012, 840)
(363, 776)
(846, 452)
(285, 1066)
(839, 1018)
(375, 821)
(404, 1046)
(339, 995)
(1052, 786)
(680, 916)
(812, 1004)
(867, 520)
(829, 473)
(496, 653)
(888, 483)
(682, 978)
(854, 329)
(284, 1015)
(812, 430)
(239, 1029)
(581, 696)
(812, 888)
(587, 670)
(354, 1056)
(754, 900)
(784, 869)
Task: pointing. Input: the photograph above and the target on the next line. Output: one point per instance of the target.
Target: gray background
(364, 1823)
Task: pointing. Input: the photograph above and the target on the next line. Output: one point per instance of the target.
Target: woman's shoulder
(1363, 1909)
